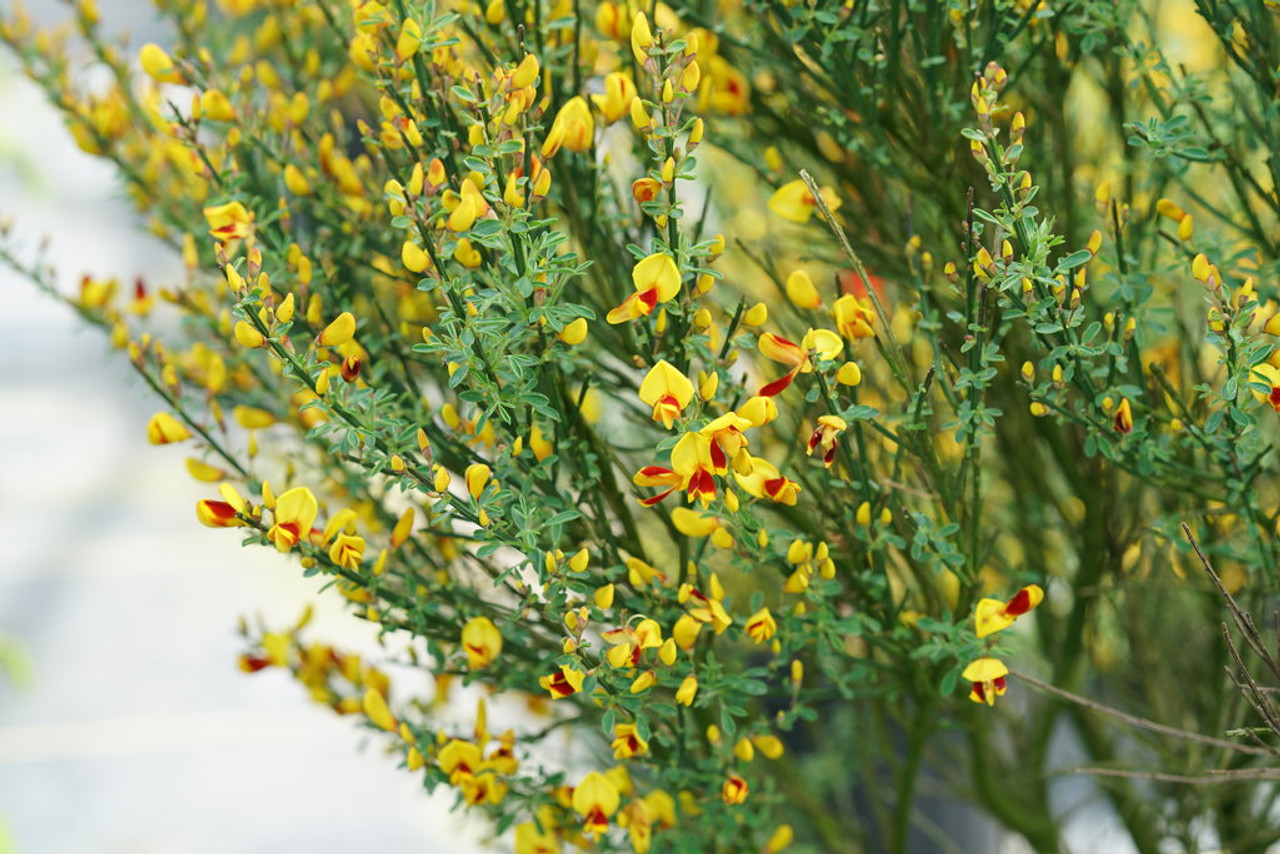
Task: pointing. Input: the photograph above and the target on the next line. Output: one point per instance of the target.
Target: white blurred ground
(137, 733)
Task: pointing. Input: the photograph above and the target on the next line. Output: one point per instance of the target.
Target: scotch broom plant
(741, 396)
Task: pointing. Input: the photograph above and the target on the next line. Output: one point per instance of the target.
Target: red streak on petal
(1019, 604)
(701, 483)
(778, 385)
(220, 510)
(1274, 398)
(654, 499)
(718, 459)
(648, 299)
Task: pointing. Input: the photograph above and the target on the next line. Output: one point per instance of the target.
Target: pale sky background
(136, 732)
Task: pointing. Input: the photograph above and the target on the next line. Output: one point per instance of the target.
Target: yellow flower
(481, 641)
(216, 514)
(375, 709)
(988, 677)
(1123, 418)
(294, 513)
(574, 332)
(163, 429)
(526, 73)
(157, 64)
(823, 343)
(641, 38)
(595, 798)
(666, 390)
(347, 551)
(801, 290)
(687, 691)
(530, 840)
(230, 221)
(339, 332)
(459, 759)
(656, 279)
(761, 626)
(477, 477)
(992, 615)
(573, 128)
(626, 742)
(735, 790)
(853, 317)
(1268, 375)
(794, 202)
(619, 91)
(563, 682)
(828, 430)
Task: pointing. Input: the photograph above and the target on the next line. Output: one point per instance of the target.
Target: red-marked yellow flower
(735, 790)
(564, 682)
(294, 514)
(705, 609)
(761, 626)
(853, 317)
(764, 480)
(347, 551)
(728, 443)
(1268, 375)
(794, 202)
(595, 798)
(460, 760)
(988, 677)
(163, 429)
(829, 429)
(645, 189)
(627, 643)
(692, 469)
(822, 343)
(992, 615)
(729, 92)
(658, 476)
(1122, 421)
(230, 221)
(656, 279)
(627, 742)
(216, 514)
(693, 459)
(481, 641)
(667, 390)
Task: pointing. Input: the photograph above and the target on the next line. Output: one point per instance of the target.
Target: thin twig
(1243, 621)
(1225, 775)
(1144, 723)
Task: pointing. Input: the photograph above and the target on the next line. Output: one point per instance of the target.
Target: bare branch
(1134, 720)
